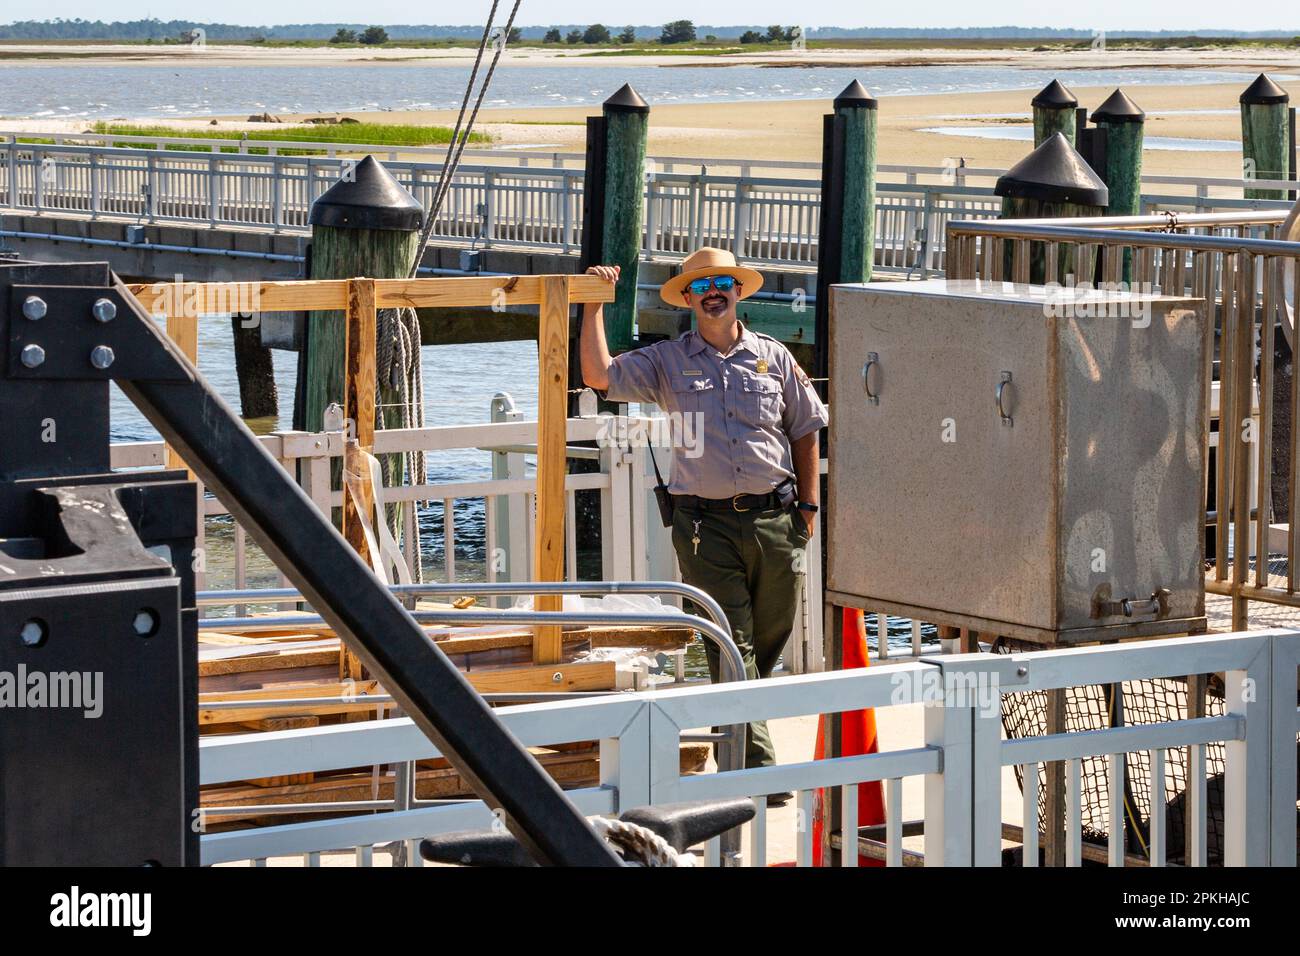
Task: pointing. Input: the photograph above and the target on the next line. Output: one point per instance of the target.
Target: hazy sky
(1097, 14)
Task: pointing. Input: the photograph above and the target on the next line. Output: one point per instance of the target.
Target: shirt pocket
(761, 400)
(691, 394)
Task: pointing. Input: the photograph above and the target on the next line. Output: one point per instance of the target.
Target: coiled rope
(639, 846)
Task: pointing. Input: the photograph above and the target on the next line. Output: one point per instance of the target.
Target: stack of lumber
(274, 663)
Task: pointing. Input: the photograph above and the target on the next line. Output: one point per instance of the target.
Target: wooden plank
(487, 291)
(191, 299)
(257, 711)
(359, 414)
(596, 675)
(552, 412)
(359, 384)
(283, 660)
(185, 333)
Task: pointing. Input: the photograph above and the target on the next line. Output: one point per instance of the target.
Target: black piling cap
(1054, 172)
(626, 100)
(1055, 96)
(369, 198)
(855, 97)
(1118, 108)
(1264, 92)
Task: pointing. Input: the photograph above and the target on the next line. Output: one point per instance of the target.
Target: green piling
(364, 226)
(1054, 108)
(1124, 123)
(1265, 135)
(1053, 181)
(627, 122)
(858, 222)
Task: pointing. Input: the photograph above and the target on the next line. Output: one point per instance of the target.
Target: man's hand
(593, 352)
(608, 273)
(803, 453)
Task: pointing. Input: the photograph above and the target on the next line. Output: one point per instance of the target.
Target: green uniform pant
(752, 564)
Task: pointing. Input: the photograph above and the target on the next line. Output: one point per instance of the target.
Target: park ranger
(744, 491)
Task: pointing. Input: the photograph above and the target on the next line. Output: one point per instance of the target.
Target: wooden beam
(552, 408)
(185, 334)
(359, 416)
(595, 675)
(190, 299)
(487, 291)
(193, 299)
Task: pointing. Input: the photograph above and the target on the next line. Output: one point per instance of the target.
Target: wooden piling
(1052, 181)
(1265, 135)
(626, 125)
(1053, 108)
(858, 221)
(1124, 124)
(254, 370)
(366, 224)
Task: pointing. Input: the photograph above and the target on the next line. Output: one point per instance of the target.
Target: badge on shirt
(762, 366)
(692, 371)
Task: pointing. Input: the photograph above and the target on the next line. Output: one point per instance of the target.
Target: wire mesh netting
(1097, 707)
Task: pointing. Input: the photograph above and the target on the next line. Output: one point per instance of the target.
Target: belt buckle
(735, 507)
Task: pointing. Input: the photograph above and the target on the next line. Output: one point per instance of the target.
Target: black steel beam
(214, 442)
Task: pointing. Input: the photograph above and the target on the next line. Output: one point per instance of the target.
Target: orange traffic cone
(857, 736)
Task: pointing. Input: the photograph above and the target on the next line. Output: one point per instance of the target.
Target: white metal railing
(634, 545)
(308, 456)
(770, 220)
(960, 759)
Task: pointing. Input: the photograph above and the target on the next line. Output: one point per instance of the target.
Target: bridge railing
(767, 220)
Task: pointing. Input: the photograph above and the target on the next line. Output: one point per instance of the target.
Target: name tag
(692, 371)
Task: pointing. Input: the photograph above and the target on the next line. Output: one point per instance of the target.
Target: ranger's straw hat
(708, 261)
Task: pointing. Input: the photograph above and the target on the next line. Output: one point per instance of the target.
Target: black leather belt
(768, 502)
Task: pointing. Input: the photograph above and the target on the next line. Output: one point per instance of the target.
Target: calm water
(142, 92)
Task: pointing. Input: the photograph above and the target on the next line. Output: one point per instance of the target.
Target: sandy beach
(790, 130)
(774, 130)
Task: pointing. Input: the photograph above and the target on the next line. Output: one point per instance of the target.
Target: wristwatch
(808, 506)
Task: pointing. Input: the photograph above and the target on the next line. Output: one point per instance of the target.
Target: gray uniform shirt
(732, 417)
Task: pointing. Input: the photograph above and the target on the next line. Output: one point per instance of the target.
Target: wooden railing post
(552, 420)
(359, 416)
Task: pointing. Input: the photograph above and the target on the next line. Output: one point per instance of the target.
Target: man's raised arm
(593, 350)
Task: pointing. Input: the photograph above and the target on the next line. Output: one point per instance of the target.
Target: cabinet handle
(873, 362)
(1004, 395)
(1157, 605)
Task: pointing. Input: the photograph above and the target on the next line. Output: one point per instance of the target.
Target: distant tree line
(679, 31)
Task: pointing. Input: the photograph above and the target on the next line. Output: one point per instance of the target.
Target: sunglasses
(721, 283)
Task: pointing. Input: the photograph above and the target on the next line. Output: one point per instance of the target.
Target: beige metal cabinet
(1019, 460)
